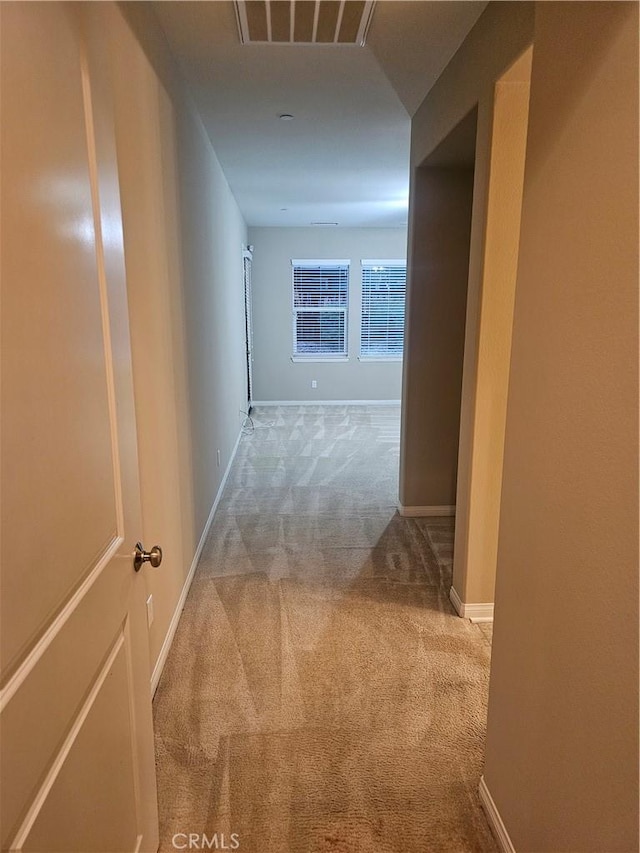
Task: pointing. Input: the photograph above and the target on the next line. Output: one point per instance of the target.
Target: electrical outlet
(150, 613)
(314, 383)
(218, 457)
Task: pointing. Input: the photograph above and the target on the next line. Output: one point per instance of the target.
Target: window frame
(367, 263)
(320, 357)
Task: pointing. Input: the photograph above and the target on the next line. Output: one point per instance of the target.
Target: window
(320, 304)
(383, 292)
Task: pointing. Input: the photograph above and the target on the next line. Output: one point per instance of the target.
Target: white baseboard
(425, 511)
(175, 619)
(474, 612)
(495, 821)
(326, 403)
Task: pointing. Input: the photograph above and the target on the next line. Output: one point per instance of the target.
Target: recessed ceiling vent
(304, 21)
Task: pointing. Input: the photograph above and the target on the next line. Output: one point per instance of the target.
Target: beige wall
(501, 34)
(275, 376)
(183, 249)
(436, 302)
(562, 747)
(480, 479)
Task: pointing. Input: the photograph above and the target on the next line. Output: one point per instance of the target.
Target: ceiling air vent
(303, 21)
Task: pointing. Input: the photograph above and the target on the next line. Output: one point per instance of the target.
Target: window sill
(379, 358)
(302, 359)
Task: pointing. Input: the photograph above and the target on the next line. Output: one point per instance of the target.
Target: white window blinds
(320, 305)
(383, 296)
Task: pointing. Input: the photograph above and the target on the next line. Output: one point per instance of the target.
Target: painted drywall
(276, 377)
(500, 36)
(562, 742)
(436, 304)
(476, 543)
(183, 251)
(408, 40)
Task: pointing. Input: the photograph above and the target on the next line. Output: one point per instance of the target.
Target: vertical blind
(320, 305)
(383, 297)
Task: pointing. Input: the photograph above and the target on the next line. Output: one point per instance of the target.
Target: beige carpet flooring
(320, 694)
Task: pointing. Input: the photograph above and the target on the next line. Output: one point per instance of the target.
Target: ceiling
(344, 157)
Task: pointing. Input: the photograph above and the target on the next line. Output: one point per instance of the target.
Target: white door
(246, 266)
(77, 768)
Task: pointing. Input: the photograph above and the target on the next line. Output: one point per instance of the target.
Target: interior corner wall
(184, 236)
(562, 740)
(436, 304)
(501, 34)
(275, 376)
(482, 436)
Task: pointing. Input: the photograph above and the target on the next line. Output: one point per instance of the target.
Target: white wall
(276, 377)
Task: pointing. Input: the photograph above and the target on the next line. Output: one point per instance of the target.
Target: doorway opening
(439, 248)
(487, 354)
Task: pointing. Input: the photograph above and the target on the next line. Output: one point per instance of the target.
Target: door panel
(39, 715)
(77, 765)
(49, 252)
(93, 776)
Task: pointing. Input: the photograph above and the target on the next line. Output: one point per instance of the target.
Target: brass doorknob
(154, 556)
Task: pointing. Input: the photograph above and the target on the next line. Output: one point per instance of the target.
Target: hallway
(320, 693)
